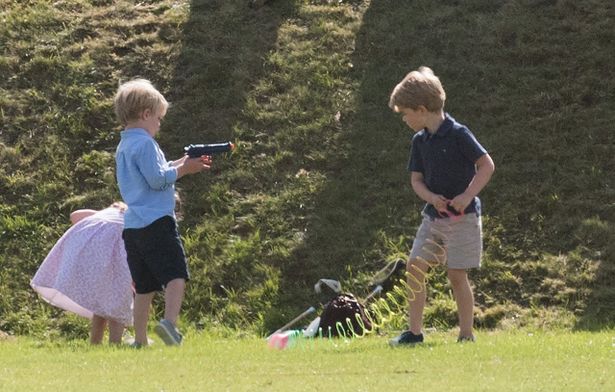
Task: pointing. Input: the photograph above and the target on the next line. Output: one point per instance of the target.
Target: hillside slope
(318, 185)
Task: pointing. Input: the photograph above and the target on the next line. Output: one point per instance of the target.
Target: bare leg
(141, 316)
(417, 270)
(116, 330)
(97, 329)
(173, 297)
(465, 300)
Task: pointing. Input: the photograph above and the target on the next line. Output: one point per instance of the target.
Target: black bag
(344, 316)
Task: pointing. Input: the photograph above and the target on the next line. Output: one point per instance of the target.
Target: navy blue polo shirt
(447, 161)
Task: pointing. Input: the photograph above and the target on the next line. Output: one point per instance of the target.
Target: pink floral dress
(86, 272)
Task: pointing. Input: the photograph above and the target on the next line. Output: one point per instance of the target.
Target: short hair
(420, 87)
(134, 97)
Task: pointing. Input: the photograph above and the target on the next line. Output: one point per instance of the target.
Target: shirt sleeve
(415, 163)
(470, 147)
(158, 173)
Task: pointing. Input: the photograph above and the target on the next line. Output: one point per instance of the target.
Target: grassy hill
(318, 186)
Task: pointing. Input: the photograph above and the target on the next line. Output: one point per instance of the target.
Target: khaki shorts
(455, 242)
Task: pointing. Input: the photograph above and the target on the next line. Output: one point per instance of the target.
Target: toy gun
(451, 213)
(197, 150)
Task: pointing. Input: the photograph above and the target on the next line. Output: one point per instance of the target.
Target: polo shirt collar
(443, 129)
(136, 131)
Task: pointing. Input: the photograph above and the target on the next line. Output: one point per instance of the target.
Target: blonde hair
(420, 87)
(134, 97)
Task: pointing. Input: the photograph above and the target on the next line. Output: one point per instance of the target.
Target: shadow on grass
(600, 310)
(496, 83)
(367, 200)
(223, 46)
(224, 43)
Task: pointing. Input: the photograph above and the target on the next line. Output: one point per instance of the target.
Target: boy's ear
(422, 109)
(145, 114)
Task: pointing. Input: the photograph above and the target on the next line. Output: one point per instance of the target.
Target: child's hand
(193, 165)
(206, 159)
(439, 202)
(460, 202)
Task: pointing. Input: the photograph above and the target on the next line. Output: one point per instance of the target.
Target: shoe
(136, 345)
(168, 333)
(466, 339)
(407, 338)
(130, 341)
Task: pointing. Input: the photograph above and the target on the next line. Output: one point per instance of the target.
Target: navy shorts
(155, 255)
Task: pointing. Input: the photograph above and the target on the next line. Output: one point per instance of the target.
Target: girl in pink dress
(86, 272)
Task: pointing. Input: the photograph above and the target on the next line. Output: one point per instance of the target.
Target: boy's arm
(419, 187)
(484, 169)
(178, 161)
(160, 174)
(186, 165)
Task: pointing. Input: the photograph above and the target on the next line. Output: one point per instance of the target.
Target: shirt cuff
(170, 176)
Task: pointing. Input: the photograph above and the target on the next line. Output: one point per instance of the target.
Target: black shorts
(155, 255)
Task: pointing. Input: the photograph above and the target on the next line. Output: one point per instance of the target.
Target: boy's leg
(167, 327)
(464, 299)
(159, 264)
(116, 331)
(141, 316)
(417, 295)
(426, 252)
(97, 329)
(415, 277)
(464, 252)
(173, 298)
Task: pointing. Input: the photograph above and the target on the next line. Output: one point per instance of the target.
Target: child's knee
(458, 277)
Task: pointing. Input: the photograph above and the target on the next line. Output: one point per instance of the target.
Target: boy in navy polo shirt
(448, 168)
(146, 180)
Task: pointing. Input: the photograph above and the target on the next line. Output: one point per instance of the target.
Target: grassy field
(318, 185)
(502, 361)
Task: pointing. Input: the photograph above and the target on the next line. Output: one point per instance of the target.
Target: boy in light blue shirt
(147, 184)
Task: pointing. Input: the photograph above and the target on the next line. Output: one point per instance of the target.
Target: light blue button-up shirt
(145, 178)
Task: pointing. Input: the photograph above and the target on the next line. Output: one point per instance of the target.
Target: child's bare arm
(484, 169)
(419, 187)
(187, 165)
(179, 161)
(77, 215)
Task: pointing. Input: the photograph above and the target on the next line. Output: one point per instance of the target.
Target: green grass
(503, 361)
(318, 186)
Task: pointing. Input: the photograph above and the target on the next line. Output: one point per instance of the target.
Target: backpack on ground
(344, 316)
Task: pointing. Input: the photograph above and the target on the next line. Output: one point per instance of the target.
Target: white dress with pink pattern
(86, 272)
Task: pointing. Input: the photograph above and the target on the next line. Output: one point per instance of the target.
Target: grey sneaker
(168, 333)
(130, 341)
(407, 338)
